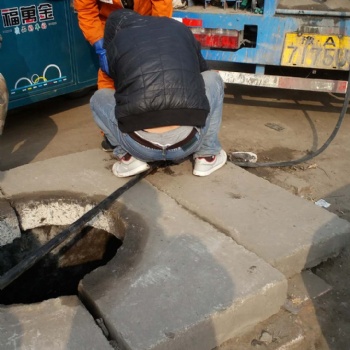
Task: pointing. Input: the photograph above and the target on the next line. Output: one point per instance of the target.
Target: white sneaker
(204, 166)
(129, 166)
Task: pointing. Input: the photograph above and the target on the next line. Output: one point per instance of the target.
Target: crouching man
(167, 104)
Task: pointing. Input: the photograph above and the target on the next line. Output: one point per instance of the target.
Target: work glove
(101, 52)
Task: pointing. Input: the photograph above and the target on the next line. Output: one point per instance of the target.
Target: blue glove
(101, 52)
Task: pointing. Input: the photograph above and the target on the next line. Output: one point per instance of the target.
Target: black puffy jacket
(155, 63)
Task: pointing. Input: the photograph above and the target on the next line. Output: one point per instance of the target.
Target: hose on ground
(310, 155)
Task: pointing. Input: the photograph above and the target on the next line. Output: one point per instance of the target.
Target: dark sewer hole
(59, 272)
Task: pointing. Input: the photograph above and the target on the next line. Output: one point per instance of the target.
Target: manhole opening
(59, 272)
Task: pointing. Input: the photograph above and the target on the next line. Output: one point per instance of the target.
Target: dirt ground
(277, 125)
(281, 125)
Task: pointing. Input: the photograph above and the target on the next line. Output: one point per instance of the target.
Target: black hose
(310, 155)
(8, 277)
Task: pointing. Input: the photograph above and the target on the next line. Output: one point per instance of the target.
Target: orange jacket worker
(92, 15)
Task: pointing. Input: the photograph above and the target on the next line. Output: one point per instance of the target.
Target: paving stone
(55, 324)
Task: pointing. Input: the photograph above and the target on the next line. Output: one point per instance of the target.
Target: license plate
(316, 51)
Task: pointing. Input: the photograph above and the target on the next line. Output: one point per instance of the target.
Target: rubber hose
(310, 155)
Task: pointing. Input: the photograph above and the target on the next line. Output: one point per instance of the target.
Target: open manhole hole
(59, 272)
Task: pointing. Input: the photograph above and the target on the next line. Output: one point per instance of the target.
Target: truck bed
(315, 5)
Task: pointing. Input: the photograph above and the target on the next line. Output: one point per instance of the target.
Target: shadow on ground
(28, 130)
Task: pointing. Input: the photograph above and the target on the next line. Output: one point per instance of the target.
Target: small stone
(266, 337)
(170, 335)
(256, 342)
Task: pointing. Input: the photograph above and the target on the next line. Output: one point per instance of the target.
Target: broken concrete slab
(57, 324)
(9, 225)
(62, 209)
(79, 173)
(189, 287)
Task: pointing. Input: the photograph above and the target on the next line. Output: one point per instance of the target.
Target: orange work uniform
(92, 15)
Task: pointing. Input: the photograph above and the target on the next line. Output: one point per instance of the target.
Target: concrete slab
(83, 172)
(287, 231)
(57, 324)
(178, 283)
